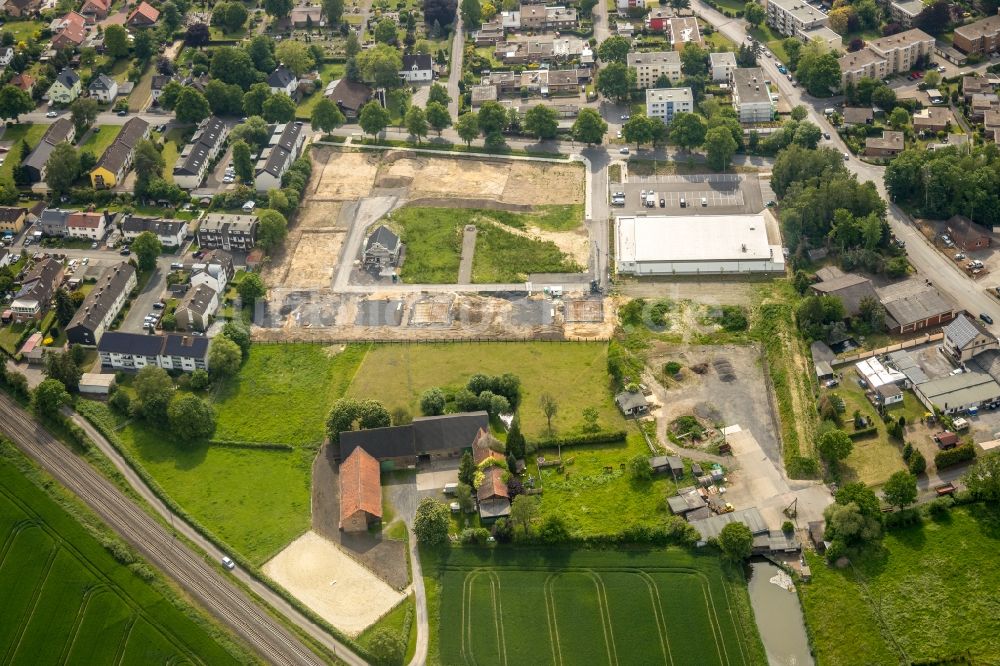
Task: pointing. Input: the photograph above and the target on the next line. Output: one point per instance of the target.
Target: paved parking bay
(724, 194)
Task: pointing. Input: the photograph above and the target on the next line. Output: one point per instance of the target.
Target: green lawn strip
(14, 134)
(99, 139)
(433, 238)
(23, 31)
(574, 372)
(925, 584)
(595, 502)
(143, 88)
(288, 390)
(503, 256)
(394, 620)
(564, 606)
(55, 572)
(256, 500)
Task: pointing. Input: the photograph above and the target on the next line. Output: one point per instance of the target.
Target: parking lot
(721, 194)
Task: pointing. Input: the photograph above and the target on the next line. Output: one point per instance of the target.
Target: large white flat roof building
(695, 244)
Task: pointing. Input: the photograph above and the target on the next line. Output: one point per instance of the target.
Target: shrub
(939, 506)
(474, 535)
(734, 318)
(639, 468)
(603, 437)
(432, 402)
(907, 451)
(917, 463)
(671, 368)
(687, 426)
(904, 518)
(787, 527)
(954, 456)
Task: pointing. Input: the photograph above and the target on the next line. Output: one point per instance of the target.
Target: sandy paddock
(311, 264)
(343, 175)
(319, 215)
(333, 585)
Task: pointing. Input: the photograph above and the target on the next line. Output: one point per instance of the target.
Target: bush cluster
(954, 456)
(600, 437)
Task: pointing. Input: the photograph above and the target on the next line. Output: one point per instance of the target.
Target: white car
(51, 114)
(228, 563)
(228, 179)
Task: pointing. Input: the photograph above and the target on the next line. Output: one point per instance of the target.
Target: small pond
(779, 615)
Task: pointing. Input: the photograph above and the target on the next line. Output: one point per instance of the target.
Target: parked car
(986, 318)
(123, 113)
(51, 114)
(125, 252)
(959, 256)
(624, 151)
(159, 305)
(228, 562)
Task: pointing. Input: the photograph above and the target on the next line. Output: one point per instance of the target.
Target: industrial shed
(710, 528)
(695, 245)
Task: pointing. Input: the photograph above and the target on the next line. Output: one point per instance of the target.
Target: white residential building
(193, 162)
(901, 51)
(793, 18)
(284, 148)
(134, 351)
(417, 68)
(664, 103)
(651, 66)
(170, 233)
(752, 98)
(722, 66)
(861, 64)
(905, 12)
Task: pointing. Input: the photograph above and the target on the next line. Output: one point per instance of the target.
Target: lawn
(255, 500)
(289, 388)
(933, 587)
(595, 502)
(143, 89)
(173, 144)
(587, 607)
(99, 138)
(327, 73)
(433, 238)
(772, 40)
(574, 372)
(24, 31)
(15, 134)
(67, 600)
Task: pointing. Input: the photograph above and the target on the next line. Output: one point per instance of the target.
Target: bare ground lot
(730, 392)
(333, 585)
(342, 175)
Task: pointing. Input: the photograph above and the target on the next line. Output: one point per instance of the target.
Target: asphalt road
(944, 273)
(202, 580)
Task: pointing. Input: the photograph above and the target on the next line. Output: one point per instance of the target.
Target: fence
(907, 344)
(437, 341)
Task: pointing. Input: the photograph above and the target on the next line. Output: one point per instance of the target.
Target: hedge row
(103, 427)
(601, 437)
(232, 444)
(864, 432)
(954, 456)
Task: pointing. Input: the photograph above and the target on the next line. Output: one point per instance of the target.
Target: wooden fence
(907, 344)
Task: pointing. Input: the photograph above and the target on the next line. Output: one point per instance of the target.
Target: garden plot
(332, 584)
(341, 175)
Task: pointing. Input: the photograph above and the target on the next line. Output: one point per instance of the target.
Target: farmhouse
(492, 494)
(426, 437)
(360, 492)
(101, 306)
(632, 403)
(143, 16)
(70, 31)
(134, 351)
(282, 81)
(32, 300)
(658, 245)
(170, 233)
(964, 338)
(382, 248)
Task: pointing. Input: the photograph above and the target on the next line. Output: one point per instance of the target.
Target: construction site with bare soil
(321, 288)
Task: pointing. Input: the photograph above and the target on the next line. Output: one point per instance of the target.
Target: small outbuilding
(663, 464)
(889, 394)
(632, 403)
(816, 531)
(95, 383)
(685, 501)
(360, 492)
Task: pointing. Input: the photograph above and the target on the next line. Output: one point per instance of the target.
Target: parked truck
(651, 200)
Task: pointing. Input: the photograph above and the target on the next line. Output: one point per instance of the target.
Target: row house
(134, 351)
(170, 233)
(282, 150)
(101, 306)
(208, 141)
(117, 160)
(228, 231)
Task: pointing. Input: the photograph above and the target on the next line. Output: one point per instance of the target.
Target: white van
(249, 206)
(450, 488)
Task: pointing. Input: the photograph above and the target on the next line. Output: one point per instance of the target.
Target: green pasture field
(66, 600)
(575, 373)
(589, 607)
(433, 238)
(928, 596)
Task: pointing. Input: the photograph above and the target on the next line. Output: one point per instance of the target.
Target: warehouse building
(695, 245)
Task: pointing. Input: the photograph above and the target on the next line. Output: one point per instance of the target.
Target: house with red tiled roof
(72, 31)
(96, 10)
(23, 81)
(143, 16)
(360, 492)
(92, 225)
(492, 493)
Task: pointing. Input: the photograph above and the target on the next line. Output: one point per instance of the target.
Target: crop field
(66, 600)
(590, 607)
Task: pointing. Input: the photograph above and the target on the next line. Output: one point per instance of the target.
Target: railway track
(230, 604)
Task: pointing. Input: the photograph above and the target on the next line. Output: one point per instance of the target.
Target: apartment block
(651, 66)
(722, 65)
(793, 18)
(901, 51)
(979, 37)
(905, 12)
(861, 64)
(665, 103)
(752, 98)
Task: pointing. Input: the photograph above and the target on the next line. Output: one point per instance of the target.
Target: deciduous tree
(242, 161)
(614, 49)
(224, 357)
(687, 130)
(416, 122)
(901, 489)
(190, 418)
(147, 248)
(431, 522)
(49, 397)
(467, 127)
(373, 118)
(589, 127)
(116, 41)
(62, 168)
(719, 147)
(272, 231)
(541, 122)
(736, 542)
(279, 109)
(294, 55)
(438, 117)
(326, 116)
(251, 287)
(14, 102)
(191, 107)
